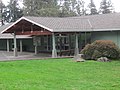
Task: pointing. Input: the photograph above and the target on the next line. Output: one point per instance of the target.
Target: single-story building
(55, 35)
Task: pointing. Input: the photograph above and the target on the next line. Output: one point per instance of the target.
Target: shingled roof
(63, 24)
(104, 22)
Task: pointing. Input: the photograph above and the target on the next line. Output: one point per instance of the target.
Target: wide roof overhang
(24, 26)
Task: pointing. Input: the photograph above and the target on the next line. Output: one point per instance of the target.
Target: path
(6, 56)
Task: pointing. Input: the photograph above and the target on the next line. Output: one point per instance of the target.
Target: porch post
(8, 48)
(15, 46)
(21, 49)
(36, 50)
(47, 42)
(76, 44)
(54, 51)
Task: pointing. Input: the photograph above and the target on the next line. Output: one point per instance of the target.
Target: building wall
(3, 44)
(111, 35)
(27, 44)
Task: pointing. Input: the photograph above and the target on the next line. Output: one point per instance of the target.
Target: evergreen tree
(40, 8)
(2, 6)
(67, 8)
(80, 7)
(73, 7)
(92, 7)
(106, 7)
(12, 11)
(59, 8)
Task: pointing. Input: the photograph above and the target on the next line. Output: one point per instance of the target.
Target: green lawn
(59, 74)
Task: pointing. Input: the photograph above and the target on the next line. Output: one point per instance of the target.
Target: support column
(8, 48)
(36, 50)
(54, 51)
(76, 44)
(47, 42)
(21, 49)
(85, 39)
(15, 46)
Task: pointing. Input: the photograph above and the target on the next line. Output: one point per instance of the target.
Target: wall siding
(3, 44)
(111, 35)
(27, 44)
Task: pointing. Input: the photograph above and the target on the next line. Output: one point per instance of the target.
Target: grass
(59, 74)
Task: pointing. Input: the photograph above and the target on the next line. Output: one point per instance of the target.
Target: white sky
(116, 3)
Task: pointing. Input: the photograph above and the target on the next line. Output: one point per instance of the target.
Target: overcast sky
(116, 3)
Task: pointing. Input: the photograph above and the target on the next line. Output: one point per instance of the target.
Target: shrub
(88, 51)
(101, 48)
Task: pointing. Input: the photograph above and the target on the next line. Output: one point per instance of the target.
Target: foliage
(72, 7)
(60, 8)
(93, 9)
(106, 7)
(12, 11)
(2, 6)
(88, 51)
(63, 8)
(40, 8)
(101, 48)
(59, 74)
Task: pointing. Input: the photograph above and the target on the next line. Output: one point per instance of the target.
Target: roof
(10, 36)
(62, 24)
(104, 22)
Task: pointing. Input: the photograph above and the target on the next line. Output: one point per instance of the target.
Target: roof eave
(51, 30)
(23, 18)
(110, 29)
(73, 30)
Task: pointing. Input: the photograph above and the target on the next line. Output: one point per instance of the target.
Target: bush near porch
(101, 48)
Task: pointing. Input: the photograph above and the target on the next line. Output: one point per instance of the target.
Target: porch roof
(10, 36)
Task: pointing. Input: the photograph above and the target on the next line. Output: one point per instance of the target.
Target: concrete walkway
(8, 56)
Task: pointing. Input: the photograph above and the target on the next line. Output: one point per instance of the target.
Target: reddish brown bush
(101, 48)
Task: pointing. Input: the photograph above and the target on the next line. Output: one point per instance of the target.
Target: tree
(67, 8)
(40, 8)
(2, 6)
(80, 7)
(92, 7)
(12, 11)
(106, 7)
(59, 8)
(72, 7)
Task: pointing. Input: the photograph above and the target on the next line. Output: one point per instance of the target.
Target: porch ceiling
(24, 27)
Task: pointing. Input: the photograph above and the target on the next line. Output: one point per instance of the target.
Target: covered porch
(46, 40)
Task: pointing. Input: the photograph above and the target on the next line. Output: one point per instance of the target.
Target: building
(58, 35)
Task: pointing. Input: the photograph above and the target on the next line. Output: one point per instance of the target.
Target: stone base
(78, 58)
(103, 59)
(15, 52)
(54, 54)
